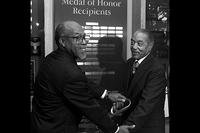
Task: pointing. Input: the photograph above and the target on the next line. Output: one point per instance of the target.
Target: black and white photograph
(99, 66)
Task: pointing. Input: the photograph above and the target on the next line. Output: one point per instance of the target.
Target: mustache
(135, 51)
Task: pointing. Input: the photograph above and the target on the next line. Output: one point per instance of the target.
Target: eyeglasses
(80, 38)
(133, 42)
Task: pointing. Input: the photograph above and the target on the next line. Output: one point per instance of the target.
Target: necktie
(135, 66)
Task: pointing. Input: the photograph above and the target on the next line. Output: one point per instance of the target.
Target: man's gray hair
(148, 33)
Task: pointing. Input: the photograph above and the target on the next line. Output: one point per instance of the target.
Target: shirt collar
(140, 60)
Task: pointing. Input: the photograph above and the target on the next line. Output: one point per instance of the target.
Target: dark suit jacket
(147, 93)
(62, 94)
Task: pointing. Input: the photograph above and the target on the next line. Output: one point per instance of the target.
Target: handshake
(120, 102)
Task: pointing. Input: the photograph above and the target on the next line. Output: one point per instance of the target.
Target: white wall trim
(129, 28)
(143, 13)
(48, 26)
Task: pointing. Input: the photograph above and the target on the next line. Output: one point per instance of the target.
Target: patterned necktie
(135, 66)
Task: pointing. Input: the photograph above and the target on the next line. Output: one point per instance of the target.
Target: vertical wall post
(48, 26)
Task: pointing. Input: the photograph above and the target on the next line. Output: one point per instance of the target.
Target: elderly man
(63, 94)
(146, 86)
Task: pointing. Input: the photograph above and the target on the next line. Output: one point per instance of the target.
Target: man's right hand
(124, 128)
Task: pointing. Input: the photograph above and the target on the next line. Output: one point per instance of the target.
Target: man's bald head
(68, 28)
(70, 36)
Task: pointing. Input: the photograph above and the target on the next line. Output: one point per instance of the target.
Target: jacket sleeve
(77, 92)
(95, 89)
(151, 94)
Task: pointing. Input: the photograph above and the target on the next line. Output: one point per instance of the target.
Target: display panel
(98, 17)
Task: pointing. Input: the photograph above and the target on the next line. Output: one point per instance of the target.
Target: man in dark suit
(146, 87)
(63, 94)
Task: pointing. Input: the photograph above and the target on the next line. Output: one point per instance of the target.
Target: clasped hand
(115, 96)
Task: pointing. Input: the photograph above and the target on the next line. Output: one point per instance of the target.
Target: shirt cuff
(117, 130)
(111, 110)
(104, 94)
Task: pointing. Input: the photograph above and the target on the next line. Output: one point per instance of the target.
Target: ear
(150, 47)
(62, 42)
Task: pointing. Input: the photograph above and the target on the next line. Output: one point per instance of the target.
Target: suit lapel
(139, 73)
